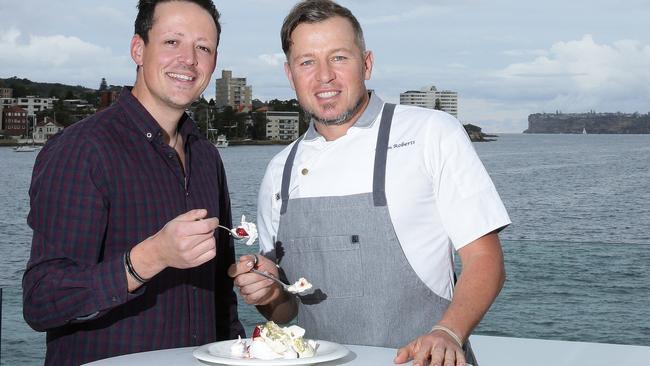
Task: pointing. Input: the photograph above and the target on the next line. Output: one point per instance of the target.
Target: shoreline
(257, 142)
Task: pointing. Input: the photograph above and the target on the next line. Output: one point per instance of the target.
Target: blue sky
(505, 58)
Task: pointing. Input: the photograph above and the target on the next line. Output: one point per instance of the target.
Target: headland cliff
(590, 123)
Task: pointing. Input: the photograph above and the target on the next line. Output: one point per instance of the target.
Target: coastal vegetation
(239, 127)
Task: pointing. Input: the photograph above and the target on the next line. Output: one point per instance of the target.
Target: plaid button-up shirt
(99, 188)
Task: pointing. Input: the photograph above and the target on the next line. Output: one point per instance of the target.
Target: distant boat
(221, 141)
(25, 148)
(584, 131)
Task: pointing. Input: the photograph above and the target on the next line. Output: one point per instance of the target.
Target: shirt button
(114, 298)
(171, 156)
(305, 171)
(149, 135)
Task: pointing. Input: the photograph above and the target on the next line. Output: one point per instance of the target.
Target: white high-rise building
(34, 104)
(233, 92)
(427, 97)
(282, 126)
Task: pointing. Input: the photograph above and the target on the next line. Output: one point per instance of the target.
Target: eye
(171, 42)
(307, 63)
(339, 58)
(204, 49)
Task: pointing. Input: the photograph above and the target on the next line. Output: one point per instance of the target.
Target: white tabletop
(490, 351)
(359, 355)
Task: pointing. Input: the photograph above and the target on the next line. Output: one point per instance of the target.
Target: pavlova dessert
(271, 341)
(299, 286)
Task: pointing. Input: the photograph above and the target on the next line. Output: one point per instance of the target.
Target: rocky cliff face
(476, 134)
(593, 123)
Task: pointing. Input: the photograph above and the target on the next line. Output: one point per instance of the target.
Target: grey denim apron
(365, 291)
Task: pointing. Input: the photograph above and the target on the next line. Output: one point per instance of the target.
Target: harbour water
(577, 253)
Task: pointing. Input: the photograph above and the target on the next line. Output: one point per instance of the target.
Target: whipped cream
(247, 230)
(239, 348)
(270, 342)
(300, 286)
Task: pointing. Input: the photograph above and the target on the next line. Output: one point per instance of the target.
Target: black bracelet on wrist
(131, 270)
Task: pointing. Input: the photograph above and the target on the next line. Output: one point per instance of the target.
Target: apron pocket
(332, 264)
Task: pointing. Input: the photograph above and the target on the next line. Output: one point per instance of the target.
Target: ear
(287, 70)
(137, 49)
(368, 61)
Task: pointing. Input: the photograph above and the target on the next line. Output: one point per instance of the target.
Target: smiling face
(177, 62)
(327, 70)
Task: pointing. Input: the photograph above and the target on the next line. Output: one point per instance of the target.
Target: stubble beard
(338, 120)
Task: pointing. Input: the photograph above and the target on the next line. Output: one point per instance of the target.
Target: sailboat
(26, 147)
(584, 131)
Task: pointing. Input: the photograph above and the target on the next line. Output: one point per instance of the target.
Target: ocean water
(577, 254)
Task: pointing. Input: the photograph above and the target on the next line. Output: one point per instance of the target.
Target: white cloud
(47, 58)
(274, 59)
(583, 75)
(47, 51)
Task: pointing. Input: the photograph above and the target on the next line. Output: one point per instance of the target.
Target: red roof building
(14, 121)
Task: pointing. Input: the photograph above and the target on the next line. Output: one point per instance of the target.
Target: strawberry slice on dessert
(246, 230)
(256, 332)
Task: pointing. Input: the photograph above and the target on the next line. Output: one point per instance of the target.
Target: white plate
(219, 353)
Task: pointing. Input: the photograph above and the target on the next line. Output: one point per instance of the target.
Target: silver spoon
(293, 289)
(232, 232)
(285, 287)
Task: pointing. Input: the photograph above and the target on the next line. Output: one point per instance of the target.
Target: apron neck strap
(381, 151)
(286, 176)
(379, 177)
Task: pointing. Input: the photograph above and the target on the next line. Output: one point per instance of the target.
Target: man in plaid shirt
(125, 205)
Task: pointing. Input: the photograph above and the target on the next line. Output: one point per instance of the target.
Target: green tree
(438, 105)
(259, 126)
(60, 113)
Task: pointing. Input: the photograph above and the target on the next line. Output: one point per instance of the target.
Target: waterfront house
(46, 129)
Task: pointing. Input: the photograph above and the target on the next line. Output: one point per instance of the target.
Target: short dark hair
(146, 8)
(315, 11)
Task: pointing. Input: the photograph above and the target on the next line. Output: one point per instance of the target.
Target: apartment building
(282, 126)
(233, 92)
(6, 93)
(429, 97)
(15, 121)
(34, 104)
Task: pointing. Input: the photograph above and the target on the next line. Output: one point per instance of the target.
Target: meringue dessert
(300, 286)
(246, 230)
(270, 342)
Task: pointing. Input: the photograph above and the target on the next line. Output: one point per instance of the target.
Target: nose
(324, 74)
(187, 55)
